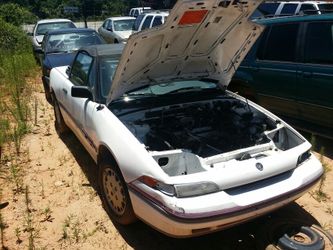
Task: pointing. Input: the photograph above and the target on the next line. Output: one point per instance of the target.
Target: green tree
(15, 14)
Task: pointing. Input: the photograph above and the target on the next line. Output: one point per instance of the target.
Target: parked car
(149, 20)
(40, 30)
(59, 47)
(117, 29)
(290, 71)
(288, 8)
(173, 147)
(135, 12)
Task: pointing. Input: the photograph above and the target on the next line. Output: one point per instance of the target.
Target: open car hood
(200, 39)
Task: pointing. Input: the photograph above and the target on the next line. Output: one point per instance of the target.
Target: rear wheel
(114, 194)
(60, 124)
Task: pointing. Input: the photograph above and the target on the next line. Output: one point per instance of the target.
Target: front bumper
(188, 217)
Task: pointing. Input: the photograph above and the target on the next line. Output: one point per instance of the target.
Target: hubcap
(114, 191)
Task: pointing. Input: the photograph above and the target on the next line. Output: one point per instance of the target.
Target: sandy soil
(65, 212)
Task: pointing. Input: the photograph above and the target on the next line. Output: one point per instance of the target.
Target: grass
(320, 194)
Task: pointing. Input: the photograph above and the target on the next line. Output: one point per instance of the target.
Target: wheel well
(104, 154)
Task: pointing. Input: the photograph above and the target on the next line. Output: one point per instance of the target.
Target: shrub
(16, 15)
(12, 39)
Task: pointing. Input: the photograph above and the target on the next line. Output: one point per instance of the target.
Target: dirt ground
(53, 201)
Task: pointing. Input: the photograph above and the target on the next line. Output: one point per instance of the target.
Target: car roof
(160, 13)
(53, 21)
(104, 49)
(291, 19)
(121, 18)
(70, 30)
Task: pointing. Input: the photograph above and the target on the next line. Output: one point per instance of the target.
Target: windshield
(108, 67)
(45, 27)
(71, 41)
(123, 25)
(173, 87)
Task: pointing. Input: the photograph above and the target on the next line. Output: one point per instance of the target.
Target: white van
(135, 12)
(287, 8)
(149, 20)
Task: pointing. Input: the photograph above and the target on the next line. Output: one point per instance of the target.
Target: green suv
(290, 71)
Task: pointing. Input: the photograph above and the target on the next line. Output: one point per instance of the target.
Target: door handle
(65, 91)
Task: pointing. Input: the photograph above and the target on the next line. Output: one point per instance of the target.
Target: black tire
(288, 242)
(47, 93)
(59, 123)
(114, 194)
(288, 234)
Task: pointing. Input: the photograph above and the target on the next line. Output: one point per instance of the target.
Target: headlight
(195, 189)
(181, 190)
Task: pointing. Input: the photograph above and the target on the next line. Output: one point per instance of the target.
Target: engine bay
(203, 128)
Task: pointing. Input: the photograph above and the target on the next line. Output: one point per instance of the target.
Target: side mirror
(110, 29)
(81, 92)
(68, 70)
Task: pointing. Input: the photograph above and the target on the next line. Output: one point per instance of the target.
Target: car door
(274, 70)
(82, 75)
(105, 32)
(315, 74)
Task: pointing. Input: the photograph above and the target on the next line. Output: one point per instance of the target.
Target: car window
(108, 67)
(80, 69)
(279, 43)
(289, 9)
(105, 24)
(68, 42)
(123, 25)
(157, 21)
(45, 27)
(137, 22)
(268, 9)
(325, 8)
(319, 43)
(147, 22)
(305, 7)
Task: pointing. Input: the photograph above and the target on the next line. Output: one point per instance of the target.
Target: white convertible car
(173, 147)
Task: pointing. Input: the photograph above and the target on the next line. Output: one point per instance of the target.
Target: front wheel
(114, 194)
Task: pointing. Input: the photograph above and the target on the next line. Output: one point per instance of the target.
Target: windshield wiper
(185, 90)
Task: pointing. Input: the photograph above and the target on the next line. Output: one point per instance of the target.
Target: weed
(65, 227)
(76, 231)
(71, 229)
(319, 194)
(47, 215)
(16, 177)
(329, 210)
(18, 235)
(29, 228)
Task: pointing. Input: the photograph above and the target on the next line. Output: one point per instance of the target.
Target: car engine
(203, 128)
